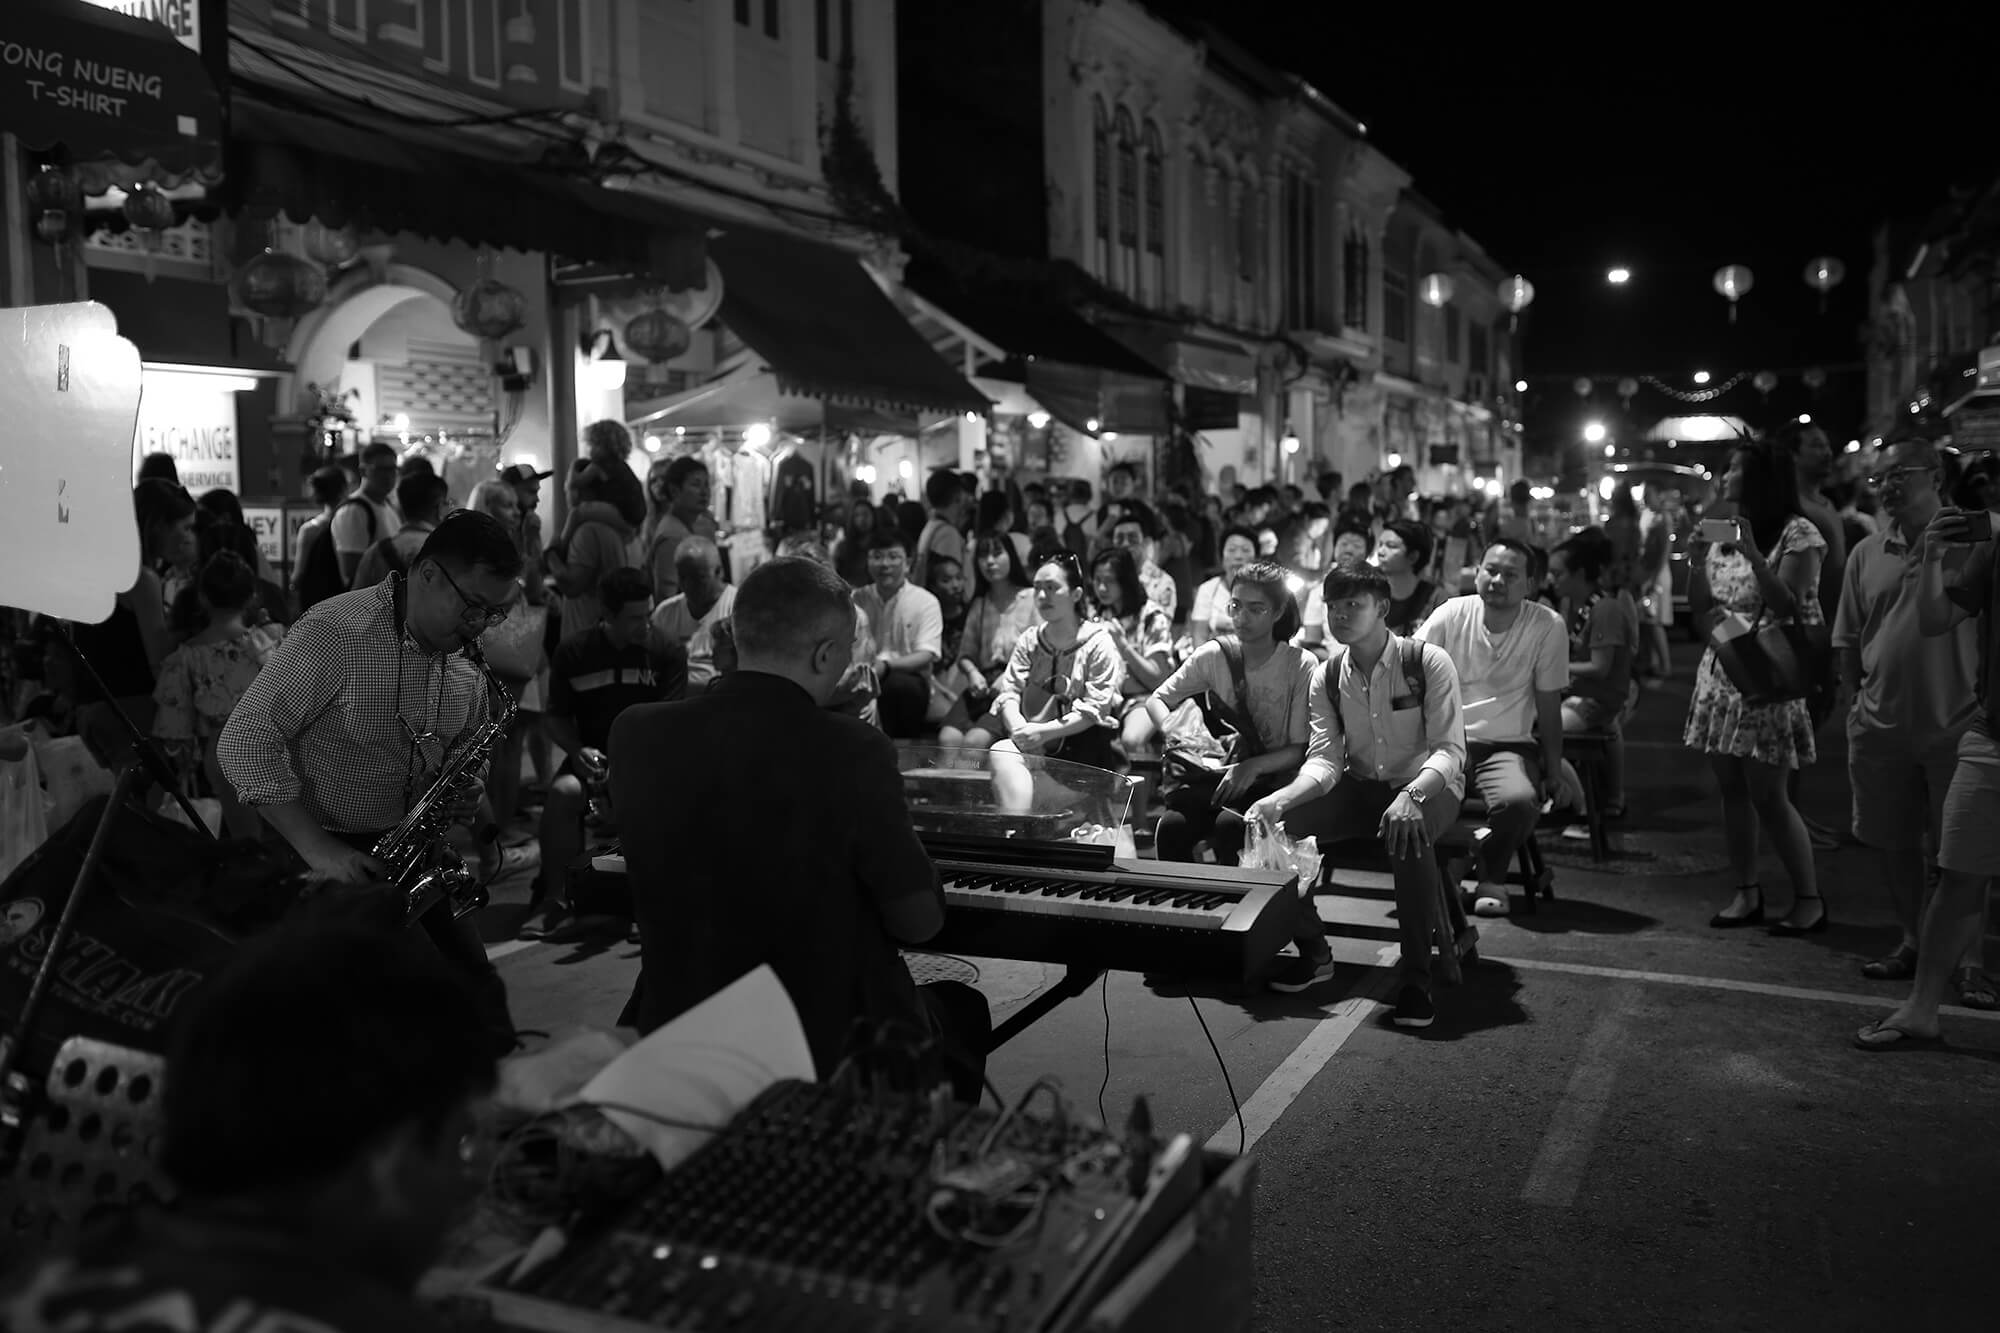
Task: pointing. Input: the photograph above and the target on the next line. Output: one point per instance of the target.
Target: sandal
(1882, 1035)
(1898, 966)
(1975, 990)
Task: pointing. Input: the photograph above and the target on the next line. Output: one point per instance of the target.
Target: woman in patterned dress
(1774, 572)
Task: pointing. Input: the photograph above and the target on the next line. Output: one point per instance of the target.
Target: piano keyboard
(1137, 916)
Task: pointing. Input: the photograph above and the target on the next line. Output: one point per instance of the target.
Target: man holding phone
(1959, 580)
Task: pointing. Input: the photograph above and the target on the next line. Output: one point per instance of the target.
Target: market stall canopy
(96, 84)
(346, 173)
(1189, 358)
(828, 331)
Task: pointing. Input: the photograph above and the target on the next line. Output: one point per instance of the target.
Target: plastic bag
(71, 775)
(24, 822)
(1271, 848)
(207, 807)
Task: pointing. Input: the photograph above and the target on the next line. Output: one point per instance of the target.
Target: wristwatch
(1418, 796)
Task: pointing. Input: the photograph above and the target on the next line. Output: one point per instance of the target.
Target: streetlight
(1520, 386)
(1805, 418)
(1611, 451)
(1619, 276)
(1701, 377)
(1593, 433)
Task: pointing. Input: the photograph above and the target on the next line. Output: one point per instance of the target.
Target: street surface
(1623, 1119)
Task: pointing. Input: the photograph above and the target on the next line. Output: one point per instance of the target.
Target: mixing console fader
(833, 1212)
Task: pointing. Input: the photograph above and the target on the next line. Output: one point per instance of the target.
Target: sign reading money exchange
(102, 84)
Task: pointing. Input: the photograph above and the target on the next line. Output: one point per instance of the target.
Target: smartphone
(1978, 526)
(1716, 531)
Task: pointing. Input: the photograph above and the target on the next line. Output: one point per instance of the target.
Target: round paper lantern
(53, 196)
(334, 247)
(1764, 381)
(1517, 294)
(658, 336)
(147, 208)
(1627, 387)
(489, 309)
(1436, 290)
(1824, 274)
(1815, 378)
(280, 286)
(1734, 282)
(1582, 386)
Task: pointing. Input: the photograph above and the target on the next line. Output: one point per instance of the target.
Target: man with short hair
(1512, 656)
(943, 536)
(593, 677)
(368, 515)
(1812, 463)
(322, 1110)
(1132, 528)
(422, 497)
(909, 634)
(351, 720)
(744, 860)
(687, 621)
(1914, 698)
(1603, 640)
(1385, 758)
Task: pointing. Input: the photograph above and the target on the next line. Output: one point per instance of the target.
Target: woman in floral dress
(1774, 572)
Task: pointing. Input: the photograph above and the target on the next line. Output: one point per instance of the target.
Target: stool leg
(1593, 796)
(1526, 859)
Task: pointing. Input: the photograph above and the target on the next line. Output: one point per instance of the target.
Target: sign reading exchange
(101, 83)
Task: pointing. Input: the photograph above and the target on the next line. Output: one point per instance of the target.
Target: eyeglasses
(1888, 475)
(475, 610)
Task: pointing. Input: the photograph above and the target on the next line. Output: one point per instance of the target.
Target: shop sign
(182, 18)
(196, 427)
(267, 520)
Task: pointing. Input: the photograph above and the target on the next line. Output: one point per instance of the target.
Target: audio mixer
(834, 1211)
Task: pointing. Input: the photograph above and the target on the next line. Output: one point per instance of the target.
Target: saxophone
(423, 865)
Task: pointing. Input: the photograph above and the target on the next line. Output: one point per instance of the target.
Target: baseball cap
(523, 474)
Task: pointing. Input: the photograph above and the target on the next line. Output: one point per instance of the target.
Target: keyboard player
(760, 828)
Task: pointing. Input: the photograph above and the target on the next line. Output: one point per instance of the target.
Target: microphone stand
(17, 1092)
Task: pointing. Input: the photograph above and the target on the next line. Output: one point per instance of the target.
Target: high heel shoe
(1785, 929)
(1753, 917)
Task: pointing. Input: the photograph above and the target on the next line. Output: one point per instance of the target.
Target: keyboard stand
(1075, 981)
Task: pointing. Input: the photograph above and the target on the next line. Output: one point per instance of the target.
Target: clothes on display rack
(795, 493)
(742, 481)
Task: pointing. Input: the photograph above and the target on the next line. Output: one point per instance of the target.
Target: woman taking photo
(1210, 615)
(1269, 713)
(1403, 552)
(1142, 634)
(1059, 694)
(1003, 607)
(1770, 573)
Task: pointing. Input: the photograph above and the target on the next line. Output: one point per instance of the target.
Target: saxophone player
(352, 717)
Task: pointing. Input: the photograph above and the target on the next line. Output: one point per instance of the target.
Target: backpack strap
(366, 508)
(1248, 742)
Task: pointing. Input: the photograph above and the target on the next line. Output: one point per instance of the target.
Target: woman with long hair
(1059, 694)
(1772, 571)
(1142, 634)
(1210, 614)
(1003, 607)
(1272, 722)
(679, 511)
(850, 553)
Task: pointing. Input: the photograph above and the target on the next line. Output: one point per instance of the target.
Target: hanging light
(330, 247)
(1437, 290)
(1823, 275)
(1733, 281)
(1517, 294)
(1764, 381)
(53, 197)
(1815, 378)
(1626, 388)
(607, 368)
(658, 335)
(1582, 386)
(489, 309)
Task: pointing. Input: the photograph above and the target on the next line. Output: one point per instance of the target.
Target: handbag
(1189, 764)
(1770, 662)
(514, 647)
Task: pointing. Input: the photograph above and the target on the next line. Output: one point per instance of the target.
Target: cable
(1105, 991)
(1242, 1134)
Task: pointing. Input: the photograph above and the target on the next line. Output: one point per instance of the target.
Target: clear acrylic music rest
(968, 797)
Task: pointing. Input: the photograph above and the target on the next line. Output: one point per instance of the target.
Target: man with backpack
(316, 568)
(1386, 759)
(422, 496)
(368, 515)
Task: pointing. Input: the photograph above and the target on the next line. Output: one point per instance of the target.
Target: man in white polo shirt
(1913, 698)
(1512, 657)
(909, 634)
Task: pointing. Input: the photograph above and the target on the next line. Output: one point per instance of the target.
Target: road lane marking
(1276, 1093)
(1558, 1167)
(495, 952)
(1884, 1001)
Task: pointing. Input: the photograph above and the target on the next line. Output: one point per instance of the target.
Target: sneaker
(544, 921)
(1490, 900)
(1576, 833)
(1297, 974)
(1414, 1008)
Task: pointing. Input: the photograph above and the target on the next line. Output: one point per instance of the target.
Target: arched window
(1100, 172)
(1128, 202)
(1156, 214)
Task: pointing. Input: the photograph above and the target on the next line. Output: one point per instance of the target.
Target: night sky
(1669, 143)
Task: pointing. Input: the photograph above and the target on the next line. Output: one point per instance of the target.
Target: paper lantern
(1815, 378)
(1734, 282)
(334, 247)
(1823, 275)
(1436, 290)
(1764, 381)
(1582, 386)
(148, 209)
(1517, 294)
(53, 197)
(658, 336)
(280, 286)
(1627, 387)
(489, 309)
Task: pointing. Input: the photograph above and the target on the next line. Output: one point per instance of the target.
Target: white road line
(1276, 1093)
(1884, 1000)
(495, 952)
(1557, 1170)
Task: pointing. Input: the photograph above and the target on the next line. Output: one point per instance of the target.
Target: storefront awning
(1190, 359)
(828, 331)
(97, 84)
(311, 166)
